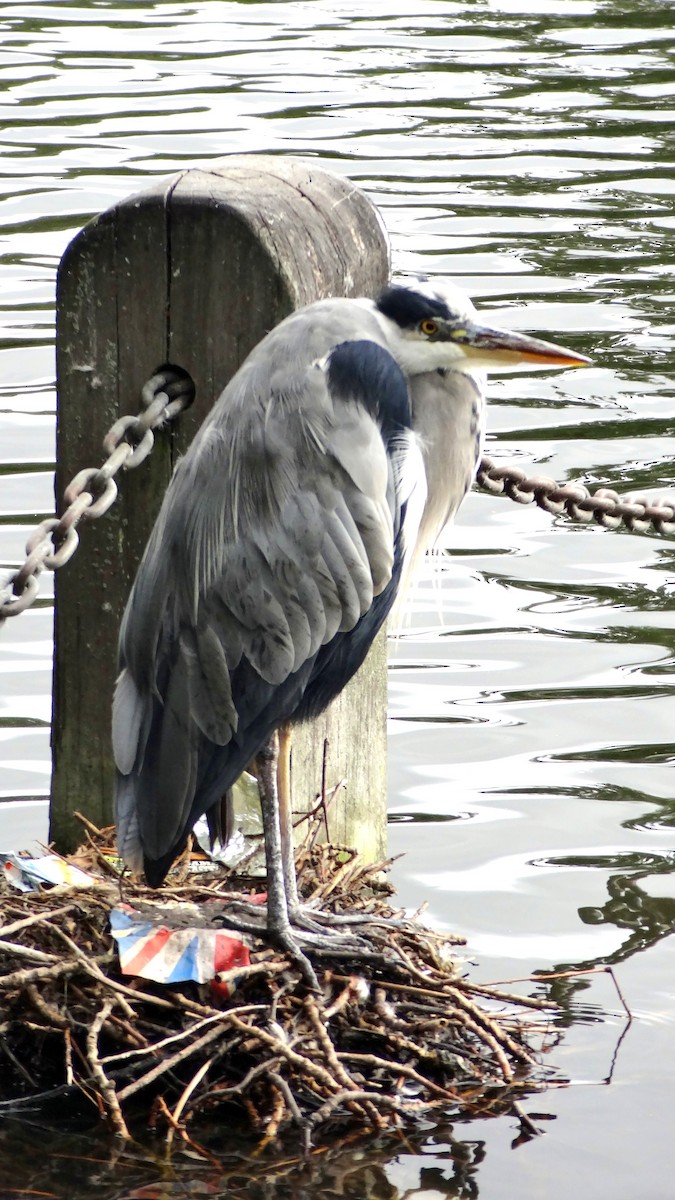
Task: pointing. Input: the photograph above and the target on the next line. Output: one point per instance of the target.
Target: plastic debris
(27, 874)
(246, 800)
(162, 947)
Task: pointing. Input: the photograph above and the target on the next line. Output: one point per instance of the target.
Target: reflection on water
(525, 149)
(437, 1163)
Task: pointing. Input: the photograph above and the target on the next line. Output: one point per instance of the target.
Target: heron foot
(317, 920)
(307, 927)
(285, 938)
(310, 932)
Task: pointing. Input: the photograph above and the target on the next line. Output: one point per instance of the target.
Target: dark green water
(526, 150)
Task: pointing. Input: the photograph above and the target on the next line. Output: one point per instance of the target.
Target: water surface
(526, 153)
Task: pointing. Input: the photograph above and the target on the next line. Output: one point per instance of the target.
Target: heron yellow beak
(501, 347)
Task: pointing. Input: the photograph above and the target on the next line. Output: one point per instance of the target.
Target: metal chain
(171, 390)
(93, 490)
(639, 513)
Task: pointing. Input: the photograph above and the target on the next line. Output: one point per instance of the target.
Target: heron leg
(298, 917)
(289, 924)
(286, 818)
(278, 922)
(311, 920)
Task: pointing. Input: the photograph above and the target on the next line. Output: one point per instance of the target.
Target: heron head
(435, 325)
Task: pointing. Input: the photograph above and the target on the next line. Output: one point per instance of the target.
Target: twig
(185, 1096)
(273, 1121)
(341, 1075)
(17, 1062)
(36, 919)
(106, 1087)
(307, 1065)
(169, 1063)
(397, 1068)
(527, 1124)
(88, 825)
(280, 1083)
(339, 879)
(155, 1047)
(491, 1027)
(610, 972)
(238, 1089)
(327, 1046)
(52, 1016)
(386, 1102)
(68, 1057)
(438, 993)
(28, 952)
(482, 989)
(19, 979)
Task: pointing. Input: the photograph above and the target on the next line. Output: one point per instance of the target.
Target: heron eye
(429, 328)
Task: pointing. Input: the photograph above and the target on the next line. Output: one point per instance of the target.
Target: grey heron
(332, 460)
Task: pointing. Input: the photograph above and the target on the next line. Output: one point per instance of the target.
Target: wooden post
(193, 271)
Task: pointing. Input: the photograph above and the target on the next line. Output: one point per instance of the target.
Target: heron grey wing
(129, 844)
(366, 508)
(263, 633)
(131, 719)
(144, 623)
(282, 600)
(352, 603)
(304, 562)
(378, 510)
(322, 592)
(296, 554)
(352, 513)
(208, 678)
(129, 728)
(271, 599)
(171, 763)
(156, 749)
(287, 576)
(295, 573)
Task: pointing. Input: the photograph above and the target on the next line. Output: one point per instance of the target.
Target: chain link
(171, 390)
(641, 513)
(93, 490)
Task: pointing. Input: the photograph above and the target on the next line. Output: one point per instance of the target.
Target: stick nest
(400, 1036)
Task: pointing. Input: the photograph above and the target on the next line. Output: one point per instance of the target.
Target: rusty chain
(93, 490)
(638, 512)
(171, 390)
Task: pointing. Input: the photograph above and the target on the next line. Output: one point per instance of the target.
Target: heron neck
(448, 411)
